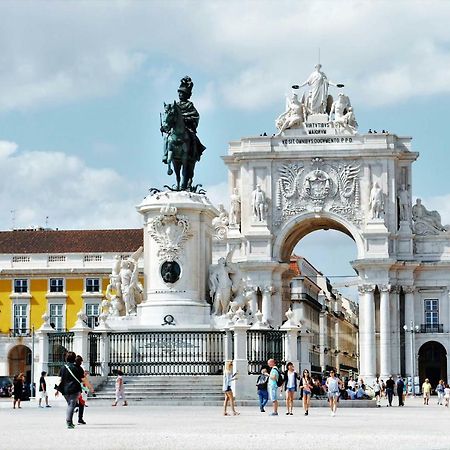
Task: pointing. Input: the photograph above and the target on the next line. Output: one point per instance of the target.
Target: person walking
(228, 378)
(447, 394)
(306, 384)
(426, 390)
(82, 398)
(377, 390)
(440, 392)
(70, 382)
(261, 386)
(400, 388)
(18, 390)
(333, 384)
(275, 378)
(43, 390)
(390, 384)
(120, 389)
(290, 386)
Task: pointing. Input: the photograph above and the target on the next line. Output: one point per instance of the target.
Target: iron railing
(17, 332)
(95, 365)
(432, 328)
(263, 345)
(166, 353)
(58, 345)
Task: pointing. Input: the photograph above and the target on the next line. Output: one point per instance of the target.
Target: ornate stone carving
(235, 208)
(170, 231)
(344, 117)
(293, 116)
(385, 288)
(324, 186)
(408, 289)
(376, 201)
(220, 224)
(404, 203)
(426, 222)
(259, 204)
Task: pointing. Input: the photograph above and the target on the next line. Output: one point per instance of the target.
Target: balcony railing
(432, 328)
(16, 332)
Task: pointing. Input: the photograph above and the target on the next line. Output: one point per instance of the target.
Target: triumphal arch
(319, 172)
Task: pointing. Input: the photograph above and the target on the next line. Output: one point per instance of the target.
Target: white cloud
(383, 51)
(37, 184)
(218, 194)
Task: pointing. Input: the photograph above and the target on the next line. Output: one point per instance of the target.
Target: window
(20, 319)
(92, 284)
(93, 258)
(92, 313)
(431, 307)
(20, 285)
(57, 316)
(56, 258)
(21, 259)
(56, 285)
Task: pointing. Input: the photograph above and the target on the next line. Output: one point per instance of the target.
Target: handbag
(84, 389)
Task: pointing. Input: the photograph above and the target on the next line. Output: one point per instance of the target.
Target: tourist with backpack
(276, 379)
(261, 386)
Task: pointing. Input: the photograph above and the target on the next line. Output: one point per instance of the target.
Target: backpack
(280, 380)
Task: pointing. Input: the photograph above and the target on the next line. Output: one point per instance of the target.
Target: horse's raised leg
(177, 168)
(169, 163)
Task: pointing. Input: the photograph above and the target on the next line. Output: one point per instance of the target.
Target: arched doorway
(432, 362)
(19, 360)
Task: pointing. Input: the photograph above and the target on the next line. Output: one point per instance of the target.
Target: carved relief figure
(292, 116)
(220, 285)
(259, 204)
(344, 116)
(235, 208)
(376, 203)
(131, 287)
(404, 202)
(220, 223)
(426, 222)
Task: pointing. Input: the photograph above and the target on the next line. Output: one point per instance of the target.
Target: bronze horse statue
(180, 147)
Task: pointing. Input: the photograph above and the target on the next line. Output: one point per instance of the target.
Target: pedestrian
(70, 382)
(275, 379)
(290, 386)
(82, 398)
(426, 390)
(228, 378)
(400, 387)
(261, 386)
(306, 385)
(351, 383)
(377, 390)
(43, 390)
(120, 389)
(390, 384)
(18, 389)
(333, 384)
(440, 392)
(447, 394)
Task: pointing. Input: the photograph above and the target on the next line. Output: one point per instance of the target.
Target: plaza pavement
(413, 426)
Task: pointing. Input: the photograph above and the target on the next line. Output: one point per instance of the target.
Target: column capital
(409, 289)
(385, 288)
(366, 288)
(268, 290)
(395, 289)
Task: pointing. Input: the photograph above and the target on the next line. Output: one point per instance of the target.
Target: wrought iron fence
(95, 364)
(263, 345)
(166, 353)
(58, 345)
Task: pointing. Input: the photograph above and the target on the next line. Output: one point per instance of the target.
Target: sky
(82, 84)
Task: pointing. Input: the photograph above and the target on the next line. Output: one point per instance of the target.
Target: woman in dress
(228, 378)
(306, 383)
(18, 389)
(333, 384)
(120, 389)
(290, 386)
(377, 390)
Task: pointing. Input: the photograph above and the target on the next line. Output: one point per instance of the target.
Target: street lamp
(412, 330)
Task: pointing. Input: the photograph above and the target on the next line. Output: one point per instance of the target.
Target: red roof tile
(70, 241)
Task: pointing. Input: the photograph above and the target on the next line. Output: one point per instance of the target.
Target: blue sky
(82, 85)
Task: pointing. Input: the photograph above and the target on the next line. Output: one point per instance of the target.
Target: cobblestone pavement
(148, 427)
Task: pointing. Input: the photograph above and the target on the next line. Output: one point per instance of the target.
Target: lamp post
(413, 329)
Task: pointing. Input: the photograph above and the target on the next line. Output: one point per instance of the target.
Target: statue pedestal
(377, 239)
(177, 256)
(405, 247)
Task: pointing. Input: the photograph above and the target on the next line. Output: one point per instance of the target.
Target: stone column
(43, 348)
(244, 387)
(103, 328)
(395, 330)
(323, 335)
(292, 329)
(367, 331)
(385, 332)
(409, 318)
(267, 303)
(336, 344)
(80, 338)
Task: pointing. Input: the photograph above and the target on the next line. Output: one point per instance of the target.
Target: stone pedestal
(177, 256)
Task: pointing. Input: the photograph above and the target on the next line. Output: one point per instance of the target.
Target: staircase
(166, 390)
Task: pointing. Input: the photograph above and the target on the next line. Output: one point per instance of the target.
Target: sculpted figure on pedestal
(426, 222)
(221, 223)
(292, 116)
(182, 147)
(404, 203)
(259, 204)
(344, 117)
(131, 288)
(376, 203)
(235, 208)
(220, 285)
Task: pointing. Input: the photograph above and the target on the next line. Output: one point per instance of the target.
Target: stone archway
(432, 362)
(19, 360)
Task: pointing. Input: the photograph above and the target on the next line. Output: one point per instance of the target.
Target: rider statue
(188, 140)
